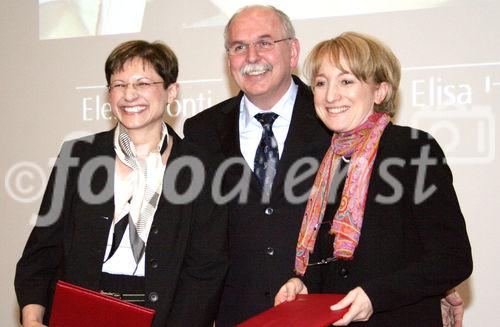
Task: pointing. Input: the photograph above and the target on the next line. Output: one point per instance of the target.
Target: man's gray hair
(288, 30)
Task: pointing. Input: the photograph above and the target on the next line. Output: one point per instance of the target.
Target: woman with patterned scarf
(382, 223)
(129, 237)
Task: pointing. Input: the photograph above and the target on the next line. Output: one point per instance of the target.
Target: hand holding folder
(79, 307)
(307, 310)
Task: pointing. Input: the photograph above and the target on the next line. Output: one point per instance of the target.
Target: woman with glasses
(114, 220)
(382, 223)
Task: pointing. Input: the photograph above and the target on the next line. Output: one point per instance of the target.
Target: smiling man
(261, 54)
(268, 127)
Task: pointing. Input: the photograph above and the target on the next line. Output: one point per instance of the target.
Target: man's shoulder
(303, 89)
(224, 107)
(207, 118)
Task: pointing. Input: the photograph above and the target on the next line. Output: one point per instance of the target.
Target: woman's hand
(361, 307)
(289, 290)
(33, 315)
(452, 309)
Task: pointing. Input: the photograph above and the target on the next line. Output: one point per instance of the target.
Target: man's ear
(294, 53)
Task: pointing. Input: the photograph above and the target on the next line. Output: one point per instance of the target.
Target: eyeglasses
(140, 86)
(327, 260)
(261, 45)
(322, 262)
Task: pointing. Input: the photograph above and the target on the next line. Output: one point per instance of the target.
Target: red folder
(308, 310)
(79, 307)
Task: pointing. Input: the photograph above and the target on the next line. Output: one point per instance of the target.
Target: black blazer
(262, 236)
(183, 276)
(413, 245)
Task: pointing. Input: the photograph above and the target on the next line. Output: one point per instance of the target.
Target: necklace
(345, 159)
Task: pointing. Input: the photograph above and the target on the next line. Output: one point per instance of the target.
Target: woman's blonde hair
(365, 57)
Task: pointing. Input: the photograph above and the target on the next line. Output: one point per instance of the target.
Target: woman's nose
(130, 92)
(332, 94)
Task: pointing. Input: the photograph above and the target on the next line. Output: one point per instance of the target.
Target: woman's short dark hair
(157, 54)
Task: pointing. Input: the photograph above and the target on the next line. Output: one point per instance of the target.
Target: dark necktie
(267, 155)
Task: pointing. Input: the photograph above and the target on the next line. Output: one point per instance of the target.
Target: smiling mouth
(256, 72)
(134, 109)
(337, 110)
(256, 69)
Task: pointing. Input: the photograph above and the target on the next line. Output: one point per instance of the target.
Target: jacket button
(154, 263)
(344, 272)
(269, 211)
(270, 250)
(154, 229)
(153, 296)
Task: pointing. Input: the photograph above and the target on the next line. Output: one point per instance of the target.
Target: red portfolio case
(308, 310)
(79, 307)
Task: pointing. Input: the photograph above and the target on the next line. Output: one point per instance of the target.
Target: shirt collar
(284, 107)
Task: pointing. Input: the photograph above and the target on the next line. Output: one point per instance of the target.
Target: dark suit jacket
(262, 237)
(413, 245)
(183, 276)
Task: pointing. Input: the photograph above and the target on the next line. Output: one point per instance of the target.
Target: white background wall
(52, 89)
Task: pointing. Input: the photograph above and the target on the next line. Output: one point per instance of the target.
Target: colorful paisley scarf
(361, 146)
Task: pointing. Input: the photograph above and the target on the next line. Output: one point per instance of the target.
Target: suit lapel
(228, 130)
(168, 214)
(103, 181)
(229, 134)
(306, 137)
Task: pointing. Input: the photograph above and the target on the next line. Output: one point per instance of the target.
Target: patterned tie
(267, 155)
